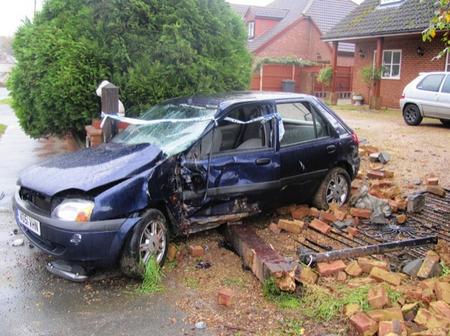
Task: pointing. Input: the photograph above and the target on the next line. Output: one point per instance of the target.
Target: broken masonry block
(300, 212)
(432, 181)
(352, 231)
(351, 309)
(384, 276)
(442, 290)
(225, 297)
(375, 174)
(274, 228)
(314, 212)
(363, 324)
(367, 264)
(353, 269)
(339, 214)
(320, 226)
(306, 275)
(394, 327)
(377, 297)
(341, 276)
(330, 268)
(294, 226)
(412, 267)
(387, 314)
(430, 266)
(361, 213)
(415, 203)
(436, 190)
(328, 217)
(441, 308)
(171, 252)
(196, 251)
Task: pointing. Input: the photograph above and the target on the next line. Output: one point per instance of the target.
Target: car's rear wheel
(335, 188)
(411, 115)
(149, 239)
(445, 122)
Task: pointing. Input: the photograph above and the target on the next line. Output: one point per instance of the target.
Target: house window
(391, 64)
(447, 64)
(251, 29)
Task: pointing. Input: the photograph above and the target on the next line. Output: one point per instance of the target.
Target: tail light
(355, 138)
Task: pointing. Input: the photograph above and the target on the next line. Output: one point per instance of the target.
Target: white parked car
(427, 96)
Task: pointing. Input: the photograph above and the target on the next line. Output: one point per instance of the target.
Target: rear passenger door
(308, 148)
(444, 99)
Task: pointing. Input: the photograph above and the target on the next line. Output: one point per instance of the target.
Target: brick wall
(411, 65)
(263, 25)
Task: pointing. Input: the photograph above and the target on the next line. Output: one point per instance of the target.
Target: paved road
(34, 302)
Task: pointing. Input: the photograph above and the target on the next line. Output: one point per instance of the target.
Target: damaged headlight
(77, 210)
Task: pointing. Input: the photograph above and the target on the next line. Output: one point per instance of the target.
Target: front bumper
(98, 242)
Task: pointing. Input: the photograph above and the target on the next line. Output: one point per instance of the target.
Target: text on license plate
(30, 223)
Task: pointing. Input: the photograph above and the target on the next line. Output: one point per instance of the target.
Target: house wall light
(420, 51)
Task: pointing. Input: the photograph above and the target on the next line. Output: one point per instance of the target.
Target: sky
(12, 12)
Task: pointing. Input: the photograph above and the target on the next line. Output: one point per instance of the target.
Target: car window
(301, 123)
(431, 83)
(446, 85)
(231, 136)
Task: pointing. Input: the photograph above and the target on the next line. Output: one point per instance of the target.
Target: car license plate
(30, 223)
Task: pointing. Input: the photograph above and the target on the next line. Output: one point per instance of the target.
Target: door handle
(331, 149)
(263, 161)
(302, 165)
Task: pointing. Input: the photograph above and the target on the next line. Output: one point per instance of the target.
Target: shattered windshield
(172, 126)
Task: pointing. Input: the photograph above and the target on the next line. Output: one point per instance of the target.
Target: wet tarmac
(34, 302)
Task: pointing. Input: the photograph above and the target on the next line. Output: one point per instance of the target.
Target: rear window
(431, 83)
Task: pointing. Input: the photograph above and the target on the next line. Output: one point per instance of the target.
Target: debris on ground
(17, 242)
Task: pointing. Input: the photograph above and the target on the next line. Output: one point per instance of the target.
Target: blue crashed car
(186, 165)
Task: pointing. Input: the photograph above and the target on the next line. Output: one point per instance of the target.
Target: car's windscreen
(176, 126)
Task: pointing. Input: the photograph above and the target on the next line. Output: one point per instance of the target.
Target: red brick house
(387, 35)
(293, 28)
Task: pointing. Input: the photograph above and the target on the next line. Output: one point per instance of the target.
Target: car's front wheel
(335, 188)
(149, 239)
(445, 122)
(411, 115)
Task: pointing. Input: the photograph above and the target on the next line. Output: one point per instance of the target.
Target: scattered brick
(300, 212)
(363, 324)
(375, 174)
(436, 190)
(401, 219)
(320, 226)
(274, 228)
(358, 282)
(412, 293)
(351, 309)
(382, 275)
(432, 181)
(443, 291)
(352, 231)
(427, 295)
(341, 276)
(331, 267)
(361, 213)
(388, 173)
(415, 203)
(387, 314)
(294, 226)
(429, 320)
(395, 327)
(441, 308)
(428, 265)
(171, 252)
(328, 217)
(314, 212)
(196, 251)
(353, 269)
(340, 215)
(369, 149)
(367, 264)
(225, 297)
(308, 276)
(378, 297)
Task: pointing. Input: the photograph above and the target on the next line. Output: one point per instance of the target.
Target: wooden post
(110, 105)
(375, 100)
(261, 74)
(333, 94)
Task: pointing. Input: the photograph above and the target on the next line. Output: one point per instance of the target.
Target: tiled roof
(241, 10)
(325, 14)
(372, 19)
(269, 12)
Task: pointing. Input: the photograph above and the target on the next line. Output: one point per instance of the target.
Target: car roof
(225, 100)
(434, 73)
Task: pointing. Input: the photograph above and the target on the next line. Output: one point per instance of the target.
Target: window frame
(314, 111)
(447, 64)
(440, 84)
(392, 64)
(251, 28)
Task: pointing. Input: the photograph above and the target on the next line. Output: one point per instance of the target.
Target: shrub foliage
(151, 49)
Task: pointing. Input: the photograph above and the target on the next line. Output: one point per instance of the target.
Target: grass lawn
(6, 101)
(2, 129)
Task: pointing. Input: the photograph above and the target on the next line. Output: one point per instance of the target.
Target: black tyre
(149, 238)
(335, 188)
(411, 115)
(445, 122)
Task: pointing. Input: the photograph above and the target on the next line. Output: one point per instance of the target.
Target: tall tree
(439, 25)
(152, 49)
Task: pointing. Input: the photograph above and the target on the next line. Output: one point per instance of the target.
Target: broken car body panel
(202, 161)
